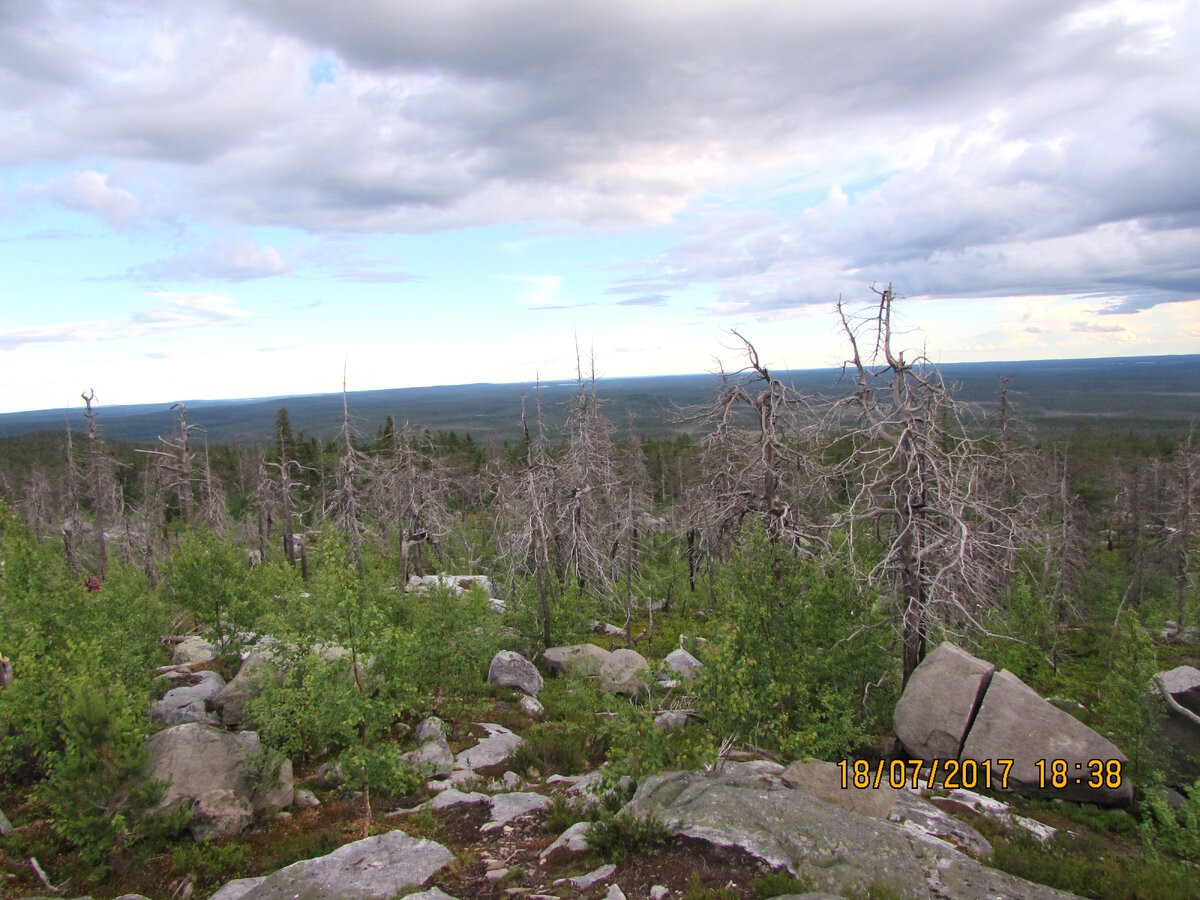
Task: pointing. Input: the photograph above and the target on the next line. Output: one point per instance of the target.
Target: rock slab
(371, 869)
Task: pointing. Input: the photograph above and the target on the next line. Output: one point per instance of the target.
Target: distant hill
(1151, 395)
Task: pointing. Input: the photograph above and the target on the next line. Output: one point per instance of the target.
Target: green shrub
(615, 836)
(786, 672)
(95, 789)
(1175, 832)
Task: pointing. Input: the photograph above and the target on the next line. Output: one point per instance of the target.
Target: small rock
(306, 799)
(506, 807)
(193, 650)
(329, 775)
(532, 707)
(583, 882)
(430, 729)
(453, 797)
(614, 893)
(219, 813)
(682, 663)
(658, 892)
(670, 720)
(5, 825)
(574, 840)
(495, 874)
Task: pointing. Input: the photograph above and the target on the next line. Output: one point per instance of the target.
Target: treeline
(945, 512)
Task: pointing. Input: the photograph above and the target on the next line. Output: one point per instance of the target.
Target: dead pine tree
(755, 463)
(915, 474)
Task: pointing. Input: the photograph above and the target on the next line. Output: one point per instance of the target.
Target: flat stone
(924, 819)
(453, 797)
(506, 807)
(583, 882)
(573, 840)
(193, 650)
(238, 888)
(784, 827)
(371, 869)
(823, 780)
(491, 751)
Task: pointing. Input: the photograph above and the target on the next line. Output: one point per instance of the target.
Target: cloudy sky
(236, 198)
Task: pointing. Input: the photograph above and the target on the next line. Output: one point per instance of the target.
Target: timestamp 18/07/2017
(971, 773)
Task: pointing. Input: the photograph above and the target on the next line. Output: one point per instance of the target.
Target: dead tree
(174, 468)
(407, 486)
(756, 461)
(917, 477)
(345, 505)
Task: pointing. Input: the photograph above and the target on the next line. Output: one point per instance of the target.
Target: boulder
(194, 760)
(682, 663)
(823, 780)
(670, 719)
(193, 650)
(573, 840)
(506, 807)
(942, 695)
(238, 888)
(626, 672)
(219, 813)
(370, 869)
(231, 701)
(1178, 737)
(511, 669)
(577, 659)
(190, 700)
(1015, 722)
(433, 759)
(1183, 684)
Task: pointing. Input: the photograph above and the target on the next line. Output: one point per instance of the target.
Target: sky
(263, 197)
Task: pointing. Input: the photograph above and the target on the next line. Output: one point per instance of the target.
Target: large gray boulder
(577, 659)
(941, 696)
(189, 702)
(195, 760)
(511, 669)
(371, 869)
(626, 672)
(1015, 722)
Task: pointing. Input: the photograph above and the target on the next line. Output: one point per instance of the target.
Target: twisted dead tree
(408, 488)
(755, 461)
(527, 502)
(918, 483)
